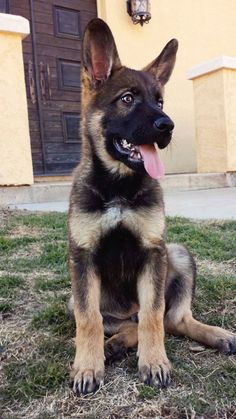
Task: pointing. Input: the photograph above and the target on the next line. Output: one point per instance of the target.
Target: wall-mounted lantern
(139, 10)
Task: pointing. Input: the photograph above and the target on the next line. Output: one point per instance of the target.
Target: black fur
(82, 261)
(117, 262)
(103, 187)
(116, 221)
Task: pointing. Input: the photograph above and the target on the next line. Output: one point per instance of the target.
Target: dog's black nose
(164, 124)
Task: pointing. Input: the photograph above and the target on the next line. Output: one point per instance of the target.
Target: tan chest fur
(148, 224)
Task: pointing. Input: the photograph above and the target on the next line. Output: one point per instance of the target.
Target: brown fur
(125, 279)
(89, 359)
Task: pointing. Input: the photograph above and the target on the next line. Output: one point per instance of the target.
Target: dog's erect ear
(162, 67)
(100, 56)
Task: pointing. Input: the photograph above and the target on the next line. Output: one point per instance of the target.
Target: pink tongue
(152, 161)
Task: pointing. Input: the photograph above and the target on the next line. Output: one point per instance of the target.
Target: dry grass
(36, 336)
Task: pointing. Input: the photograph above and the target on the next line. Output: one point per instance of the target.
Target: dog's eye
(127, 98)
(160, 103)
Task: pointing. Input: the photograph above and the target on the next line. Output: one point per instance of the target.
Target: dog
(126, 280)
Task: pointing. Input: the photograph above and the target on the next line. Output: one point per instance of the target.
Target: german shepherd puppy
(125, 279)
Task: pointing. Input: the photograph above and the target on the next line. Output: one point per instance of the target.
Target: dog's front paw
(86, 381)
(155, 372)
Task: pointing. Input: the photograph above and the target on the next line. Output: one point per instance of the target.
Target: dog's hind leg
(178, 315)
(125, 338)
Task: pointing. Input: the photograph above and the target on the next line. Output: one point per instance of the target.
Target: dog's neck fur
(130, 190)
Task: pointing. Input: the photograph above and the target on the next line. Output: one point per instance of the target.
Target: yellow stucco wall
(15, 151)
(230, 116)
(210, 122)
(214, 86)
(205, 29)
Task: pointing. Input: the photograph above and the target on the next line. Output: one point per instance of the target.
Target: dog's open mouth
(146, 155)
(128, 149)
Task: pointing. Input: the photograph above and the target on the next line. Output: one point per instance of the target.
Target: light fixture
(139, 10)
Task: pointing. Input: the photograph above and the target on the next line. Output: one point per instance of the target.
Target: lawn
(36, 334)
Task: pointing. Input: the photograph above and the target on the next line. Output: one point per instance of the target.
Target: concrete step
(60, 191)
(39, 192)
(198, 204)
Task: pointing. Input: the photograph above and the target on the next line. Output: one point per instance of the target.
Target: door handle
(49, 81)
(31, 82)
(42, 82)
(45, 79)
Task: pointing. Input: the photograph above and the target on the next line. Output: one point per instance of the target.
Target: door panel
(67, 22)
(4, 6)
(52, 57)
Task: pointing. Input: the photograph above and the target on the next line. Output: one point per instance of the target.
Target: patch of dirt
(25, 231)
(216, 268)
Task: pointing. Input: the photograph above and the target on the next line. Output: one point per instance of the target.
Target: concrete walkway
(217, 203)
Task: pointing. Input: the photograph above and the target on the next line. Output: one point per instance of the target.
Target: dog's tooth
(123, 143)
(139, 156)
(132, 154)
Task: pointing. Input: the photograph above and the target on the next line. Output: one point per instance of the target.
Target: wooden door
(4, 7)
(52, 55)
